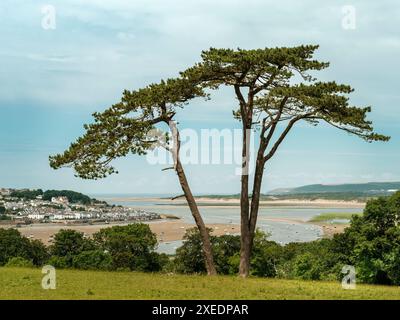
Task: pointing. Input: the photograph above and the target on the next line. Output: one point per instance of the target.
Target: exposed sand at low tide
(171, 230)
(166, 230)
(220, 202)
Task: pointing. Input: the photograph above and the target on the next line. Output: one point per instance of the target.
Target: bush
(307, 267)
(92, 260)
(19, 262)
(189, 257)
(70, 243)
(224, 247)
(12, 244)
(38, 252)
(59, 262)
(130, 246)
(226, 250)
(373, 241)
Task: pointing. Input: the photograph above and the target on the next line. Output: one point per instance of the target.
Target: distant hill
(370, 188)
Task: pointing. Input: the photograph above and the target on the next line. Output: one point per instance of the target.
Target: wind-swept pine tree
(275, 90)
(132, 126)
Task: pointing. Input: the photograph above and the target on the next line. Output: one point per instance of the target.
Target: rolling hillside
(371, 188)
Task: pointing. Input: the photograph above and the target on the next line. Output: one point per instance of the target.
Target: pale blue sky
(52, 80)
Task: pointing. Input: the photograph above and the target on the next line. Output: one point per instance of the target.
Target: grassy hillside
(18, 283)
(356, 188)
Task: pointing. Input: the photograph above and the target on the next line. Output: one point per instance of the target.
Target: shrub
(130, 246)
(59, 262)
(12, 244)
(19, 262)
(70, 243)
(92, 260)
(306, 267)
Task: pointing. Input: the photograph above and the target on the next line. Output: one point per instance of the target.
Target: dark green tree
(38, 252)
(70, 243)
(130, 247)
(189, 257)
(92, 260)
(13, 244)
(275, 91)
(372, 242)
(132, 126)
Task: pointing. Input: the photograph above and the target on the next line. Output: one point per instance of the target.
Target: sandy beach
(221, 202)
(330, 230)
(166, 230)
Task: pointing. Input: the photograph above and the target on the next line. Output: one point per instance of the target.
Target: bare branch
(269, 82)
(242, 101)
(180, 196)
(273, 124)
(283, 136)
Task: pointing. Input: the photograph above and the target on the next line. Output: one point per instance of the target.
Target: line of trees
(371, 244)
(73, 196)
(27, 194)
(129, 247)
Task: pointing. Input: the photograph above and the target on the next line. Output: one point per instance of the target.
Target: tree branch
(283, 136)
(180, 196)
(269, 82)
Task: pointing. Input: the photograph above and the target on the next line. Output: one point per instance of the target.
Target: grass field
(20, 283)
(325, 217)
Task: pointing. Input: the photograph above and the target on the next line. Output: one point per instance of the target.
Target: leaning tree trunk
(255, 198)
(207, 248)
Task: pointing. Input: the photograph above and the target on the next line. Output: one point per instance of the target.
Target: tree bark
(245, 237)
(255, 198)
(207, 248)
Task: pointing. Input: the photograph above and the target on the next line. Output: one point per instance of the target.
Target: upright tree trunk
(249, 213)
(245, 237)
(207, 248)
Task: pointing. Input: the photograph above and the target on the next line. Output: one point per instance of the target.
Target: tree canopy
(126, 127)
(281, 88)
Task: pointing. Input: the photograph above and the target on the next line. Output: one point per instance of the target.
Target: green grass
(20, 283)
(324, 217)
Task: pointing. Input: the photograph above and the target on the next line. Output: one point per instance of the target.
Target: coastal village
(17, 210)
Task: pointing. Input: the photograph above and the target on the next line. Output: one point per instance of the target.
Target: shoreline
(165, 230)
(221, 202)
(173, 229)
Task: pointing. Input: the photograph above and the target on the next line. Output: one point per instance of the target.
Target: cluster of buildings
(60, 209)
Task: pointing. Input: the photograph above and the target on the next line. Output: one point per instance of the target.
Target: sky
(53, 76)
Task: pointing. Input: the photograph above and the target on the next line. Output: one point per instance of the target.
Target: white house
(36, 216)
(60, 200)
(82, 215)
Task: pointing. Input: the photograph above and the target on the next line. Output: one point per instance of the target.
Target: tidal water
(282, 231)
